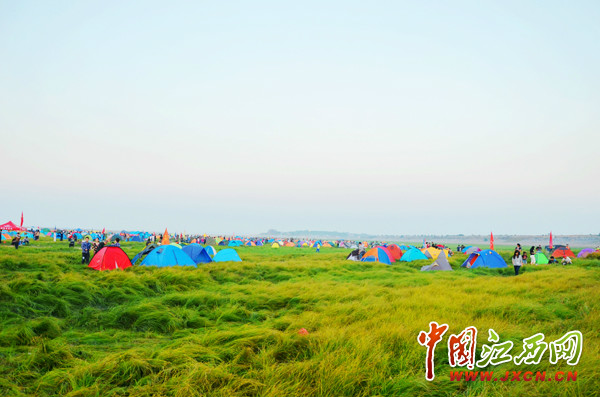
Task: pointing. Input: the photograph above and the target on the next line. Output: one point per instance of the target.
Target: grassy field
(231, 329)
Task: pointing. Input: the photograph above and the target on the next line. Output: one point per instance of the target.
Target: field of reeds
(231, 329)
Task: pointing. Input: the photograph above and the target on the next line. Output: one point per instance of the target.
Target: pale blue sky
(222, 117)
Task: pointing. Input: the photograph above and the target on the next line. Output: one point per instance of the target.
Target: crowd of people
(520, 257)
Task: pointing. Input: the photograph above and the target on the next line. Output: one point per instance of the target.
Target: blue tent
(259, 243)
(197, 253)
(166, 256)
(223, 242)
(235, 243)
(137, 239)
(210, 250)
(485, 258)
(412, 254)
(227, 255)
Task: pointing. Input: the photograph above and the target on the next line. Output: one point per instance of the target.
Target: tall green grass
(230, 329)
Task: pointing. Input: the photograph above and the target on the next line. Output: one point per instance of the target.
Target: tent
(166, 256)
(327, 245)
(585, 252)
(427, 253)
(143, 252)
(562, 252)
(235, 243)
(110, 258)
(541, 259)
(210, 250)
(441, 263)
(434, 252)
(211, 241)
(412, 254)
(227, 255)
(250, 244)
(395, 250)
(470, 250)
(275, 245)
(355, 255)
(137, 239)
(9, 226)
(485, 258)
(223, 242)
(259, 243)
(197, 253)
(378, 254)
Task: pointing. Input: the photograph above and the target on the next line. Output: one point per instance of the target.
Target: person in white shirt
(517, 261)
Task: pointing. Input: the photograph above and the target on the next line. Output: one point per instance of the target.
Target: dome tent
(378, 254)
(210, 250)
(412, 254)
(197, 253)
(441, 263)
(227, 255)
(167, 256)
(110, 258)
(485, 258)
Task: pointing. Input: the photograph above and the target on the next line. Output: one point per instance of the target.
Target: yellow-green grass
(231, 329)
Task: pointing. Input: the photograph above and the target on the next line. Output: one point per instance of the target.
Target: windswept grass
(231, 329)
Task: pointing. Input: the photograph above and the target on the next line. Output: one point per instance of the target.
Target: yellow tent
(275, 245)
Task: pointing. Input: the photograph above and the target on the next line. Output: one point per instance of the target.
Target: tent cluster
(307, 244)
(112, 258)
(390, 253)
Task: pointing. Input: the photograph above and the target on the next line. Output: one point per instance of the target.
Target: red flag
(550, 240)
(492, 241)
(21, 219)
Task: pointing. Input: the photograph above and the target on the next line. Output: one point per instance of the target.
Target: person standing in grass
(95, 246)
(524, 258)
(318, 247)
(517, 261)
(85, 251)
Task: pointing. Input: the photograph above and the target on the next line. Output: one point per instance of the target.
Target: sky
(392, 117)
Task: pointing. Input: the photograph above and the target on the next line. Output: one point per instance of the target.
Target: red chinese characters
(430, 340)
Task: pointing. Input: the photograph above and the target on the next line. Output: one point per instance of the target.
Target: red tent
(110, 258)
(9, 226)
(395, 251)
(562, 252)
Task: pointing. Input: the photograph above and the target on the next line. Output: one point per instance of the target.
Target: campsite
(299, 199)
(231, 328)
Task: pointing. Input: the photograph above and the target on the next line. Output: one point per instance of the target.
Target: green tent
(541, 259)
